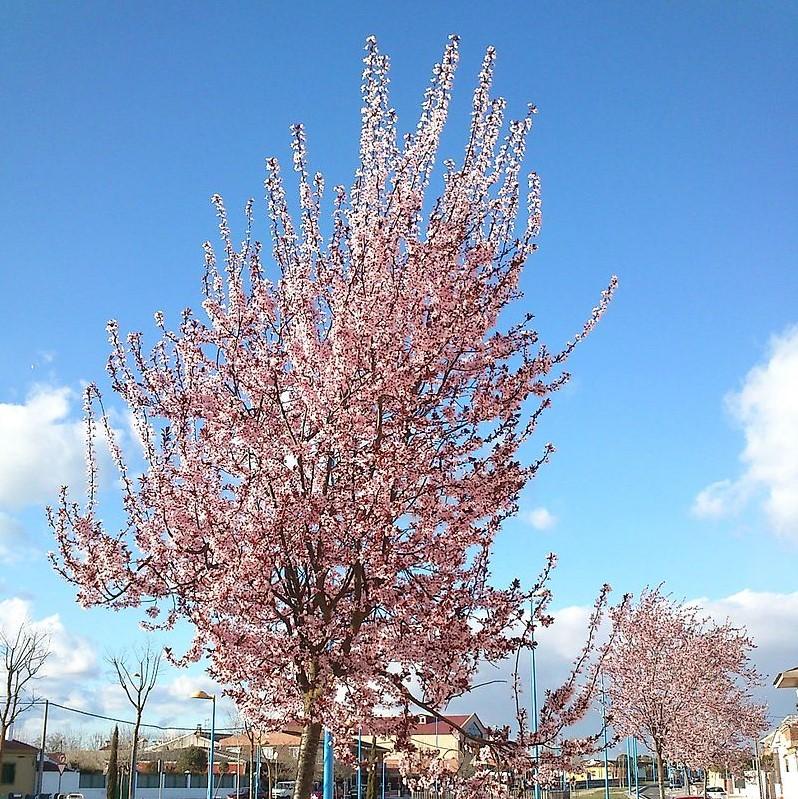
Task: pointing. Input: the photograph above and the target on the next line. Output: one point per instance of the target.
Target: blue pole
(606, 742)
(329, 759)
(628, 767)
(534, 700)
(359, 764)
(213, 742)
(634, 753)
(382, 793)
(257, 771)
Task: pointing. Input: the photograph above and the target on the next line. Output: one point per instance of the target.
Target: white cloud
(72, 657)
(541, 518)
(771, 619)
(565, 637)
(42, 447)
(766, 408)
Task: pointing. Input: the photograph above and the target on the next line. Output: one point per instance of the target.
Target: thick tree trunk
(306, 764)
(371, 785)
(705, 784)
(661, 772)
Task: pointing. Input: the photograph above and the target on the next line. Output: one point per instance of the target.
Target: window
(8, 773)
(786, 763)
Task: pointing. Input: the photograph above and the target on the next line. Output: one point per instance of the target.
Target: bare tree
(137, 673)
(22, 654)
(65, 741)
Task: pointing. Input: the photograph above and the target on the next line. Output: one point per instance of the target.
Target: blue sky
(666, 146)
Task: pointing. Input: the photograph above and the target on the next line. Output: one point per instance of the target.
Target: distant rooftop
(787, 679)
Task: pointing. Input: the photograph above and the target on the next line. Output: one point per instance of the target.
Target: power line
(132, 723)
(31, 703)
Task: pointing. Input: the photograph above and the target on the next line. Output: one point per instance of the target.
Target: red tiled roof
(284, 738)
(440, 726)
(12, 745)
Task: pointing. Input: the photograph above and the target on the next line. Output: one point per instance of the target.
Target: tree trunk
(705, 784)
(661, 772)
(134, 753)
(251, 770)
(306, 763)
(3, 731)
(371, 784)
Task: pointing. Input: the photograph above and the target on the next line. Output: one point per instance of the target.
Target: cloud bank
(766, 409)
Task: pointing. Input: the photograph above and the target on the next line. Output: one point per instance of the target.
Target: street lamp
(212, 698)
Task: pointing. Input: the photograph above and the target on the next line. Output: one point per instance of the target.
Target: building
(591, 773)
(279, 752)
(783, 745)
(271, 744)
(198, 737)
(18, 769)
(442, 736)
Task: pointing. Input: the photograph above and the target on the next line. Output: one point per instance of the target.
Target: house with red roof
(18, 769)
(447, 736)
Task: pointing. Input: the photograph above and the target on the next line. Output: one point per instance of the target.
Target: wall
(788, 766)
(24, 773)
(70, 783)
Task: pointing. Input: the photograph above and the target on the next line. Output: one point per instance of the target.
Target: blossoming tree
(681, 683)
(331, 452)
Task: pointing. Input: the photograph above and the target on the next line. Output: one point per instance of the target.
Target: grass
(598, 793)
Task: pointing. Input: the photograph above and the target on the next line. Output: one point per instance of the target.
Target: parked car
(283, 789)
(716, 792)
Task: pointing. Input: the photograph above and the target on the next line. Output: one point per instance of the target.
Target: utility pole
(758, 769)
(40, 771)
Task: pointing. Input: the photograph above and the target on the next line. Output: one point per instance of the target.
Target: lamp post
(359, 763)
(257, 773)
(212, 698)
(534, 698)
(606, 742)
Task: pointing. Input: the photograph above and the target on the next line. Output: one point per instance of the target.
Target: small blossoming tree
(332, 450)
(681, 683)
